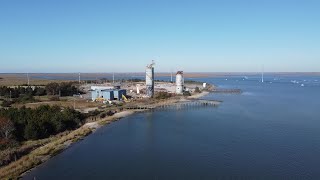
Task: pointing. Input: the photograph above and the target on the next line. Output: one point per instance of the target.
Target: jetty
(235, 91)
(178, 104)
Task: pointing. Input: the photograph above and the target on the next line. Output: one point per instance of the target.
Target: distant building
(106, 93)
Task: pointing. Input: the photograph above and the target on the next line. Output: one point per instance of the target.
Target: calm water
(270, 131)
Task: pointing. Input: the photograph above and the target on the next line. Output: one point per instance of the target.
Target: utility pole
(10, 96)
(113, 78)
(28, 79)
(79, 78)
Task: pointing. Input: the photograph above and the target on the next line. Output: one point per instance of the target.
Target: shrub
(186, 93)
(6, 103)
(197, 90)
(26, 98)
(103, 115)
(162, 95)
(110, 113)
(93, 113)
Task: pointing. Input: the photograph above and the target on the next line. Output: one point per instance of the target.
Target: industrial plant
(122, 91)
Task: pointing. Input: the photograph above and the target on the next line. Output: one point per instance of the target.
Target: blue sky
(198, 35)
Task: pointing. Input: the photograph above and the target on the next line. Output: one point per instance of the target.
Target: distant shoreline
(39, 79)
(68, 76)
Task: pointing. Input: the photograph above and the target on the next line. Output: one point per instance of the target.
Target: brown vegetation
(6, 128)
(64, 102)
(39, 155)
(17, 80)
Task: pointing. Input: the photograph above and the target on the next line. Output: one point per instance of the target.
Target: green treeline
(63, 89)
(31, 124)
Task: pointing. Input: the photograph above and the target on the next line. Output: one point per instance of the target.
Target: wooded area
(31, 124)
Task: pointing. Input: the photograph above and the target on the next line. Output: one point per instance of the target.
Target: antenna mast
(79, 77)
(113, 77)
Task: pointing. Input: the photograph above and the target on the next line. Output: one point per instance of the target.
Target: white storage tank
(179, 82)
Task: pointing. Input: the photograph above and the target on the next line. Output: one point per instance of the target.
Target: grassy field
(64, 102)
(21, 79)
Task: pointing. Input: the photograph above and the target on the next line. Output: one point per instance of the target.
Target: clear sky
(125, 35)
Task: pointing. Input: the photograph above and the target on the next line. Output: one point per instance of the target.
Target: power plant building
(106, 94)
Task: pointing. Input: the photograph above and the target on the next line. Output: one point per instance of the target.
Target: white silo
(138, 88)
(204, 85)
(150, 79)
(179, 82)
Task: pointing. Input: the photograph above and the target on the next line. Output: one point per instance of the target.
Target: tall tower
(79, 78)
(150, 79)
(179, 82)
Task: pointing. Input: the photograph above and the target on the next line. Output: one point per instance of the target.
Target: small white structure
(179, 82)
(138, 88)
(204, 85)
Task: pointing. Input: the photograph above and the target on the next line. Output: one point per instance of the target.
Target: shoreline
(40, 155)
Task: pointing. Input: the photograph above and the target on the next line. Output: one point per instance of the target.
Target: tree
(39, 91)
(6, 128)
(52, 88)
(30, 124)
(32, 131)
